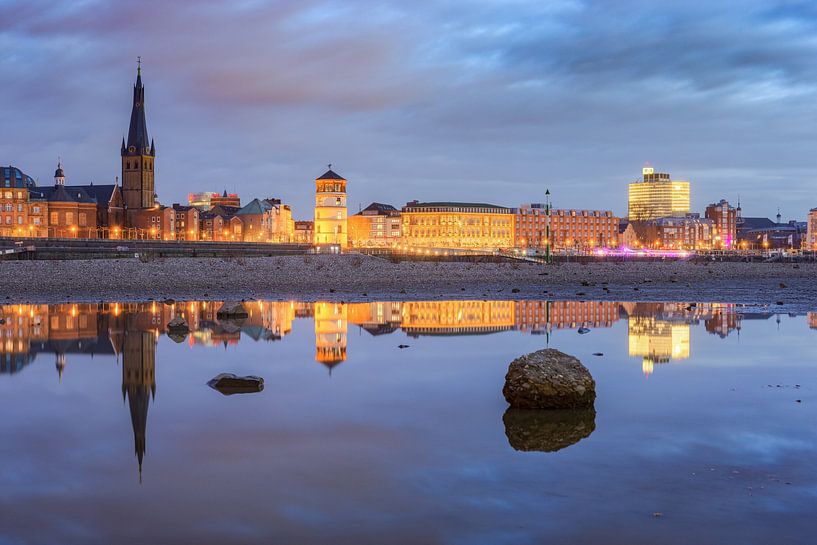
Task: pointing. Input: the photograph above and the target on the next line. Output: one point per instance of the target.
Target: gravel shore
(784, 286)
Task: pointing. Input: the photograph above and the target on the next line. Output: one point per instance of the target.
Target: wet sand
(360, 278)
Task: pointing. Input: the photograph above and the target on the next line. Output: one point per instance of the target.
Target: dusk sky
(490, 101)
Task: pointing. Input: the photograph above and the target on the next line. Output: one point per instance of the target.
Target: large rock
(229, 384)
(547, 430)
(548, 379)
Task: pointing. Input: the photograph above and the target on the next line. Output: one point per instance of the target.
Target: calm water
(697, 436)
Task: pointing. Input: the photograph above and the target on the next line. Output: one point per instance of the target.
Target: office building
(657, 196)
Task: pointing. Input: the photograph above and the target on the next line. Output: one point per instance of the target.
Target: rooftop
(11, 176)
(330, 175)
(379, 209)
(253, 207)
(451, 204)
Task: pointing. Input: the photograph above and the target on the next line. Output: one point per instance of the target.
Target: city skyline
(402, 119)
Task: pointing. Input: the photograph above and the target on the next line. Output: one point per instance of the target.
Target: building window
(55, 218)
(83, 219)
(69, 218)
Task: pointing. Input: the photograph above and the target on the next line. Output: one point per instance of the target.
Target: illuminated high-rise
(657, 196)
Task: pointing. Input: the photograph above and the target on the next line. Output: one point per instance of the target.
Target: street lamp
(547, 228)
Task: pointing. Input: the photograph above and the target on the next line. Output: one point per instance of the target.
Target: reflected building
(723, 320)
(657, 341)
(377, 318)
(331, 322)
(456, 317)
(27, 330)
(20, 326)
(544, 316)
(812, 320)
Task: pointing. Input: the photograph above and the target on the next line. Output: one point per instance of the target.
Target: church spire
(138, 141)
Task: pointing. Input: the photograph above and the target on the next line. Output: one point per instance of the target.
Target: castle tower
(138, 155)
(139, 383)
(330, 210)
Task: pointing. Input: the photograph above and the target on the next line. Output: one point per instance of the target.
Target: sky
(489, 101)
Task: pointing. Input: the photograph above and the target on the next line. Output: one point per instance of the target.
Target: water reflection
(547, 430)
(657, 333)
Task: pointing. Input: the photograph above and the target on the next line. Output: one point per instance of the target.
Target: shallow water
(697, 434)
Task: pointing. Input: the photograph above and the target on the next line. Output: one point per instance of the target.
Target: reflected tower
(331, 323)
(139, 383)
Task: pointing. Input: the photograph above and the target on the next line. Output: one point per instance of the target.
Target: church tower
(138, 154)
(330, 210)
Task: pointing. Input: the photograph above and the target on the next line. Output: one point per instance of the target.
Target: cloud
(428, 100)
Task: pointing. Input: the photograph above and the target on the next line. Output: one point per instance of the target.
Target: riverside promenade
(69, 248)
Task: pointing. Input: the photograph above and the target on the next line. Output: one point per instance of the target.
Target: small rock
(169, 302)
(779, 303)
(598, 353)
(178, 324)
(798, 400)
(401, 346)
(515, 290)
(232, 309)
(229, 384)
(583, 330)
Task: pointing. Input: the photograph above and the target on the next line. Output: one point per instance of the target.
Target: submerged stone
(548, 379)
(229, 384)
(543, 430)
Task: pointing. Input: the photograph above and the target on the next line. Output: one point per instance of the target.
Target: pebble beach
(789, 287)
